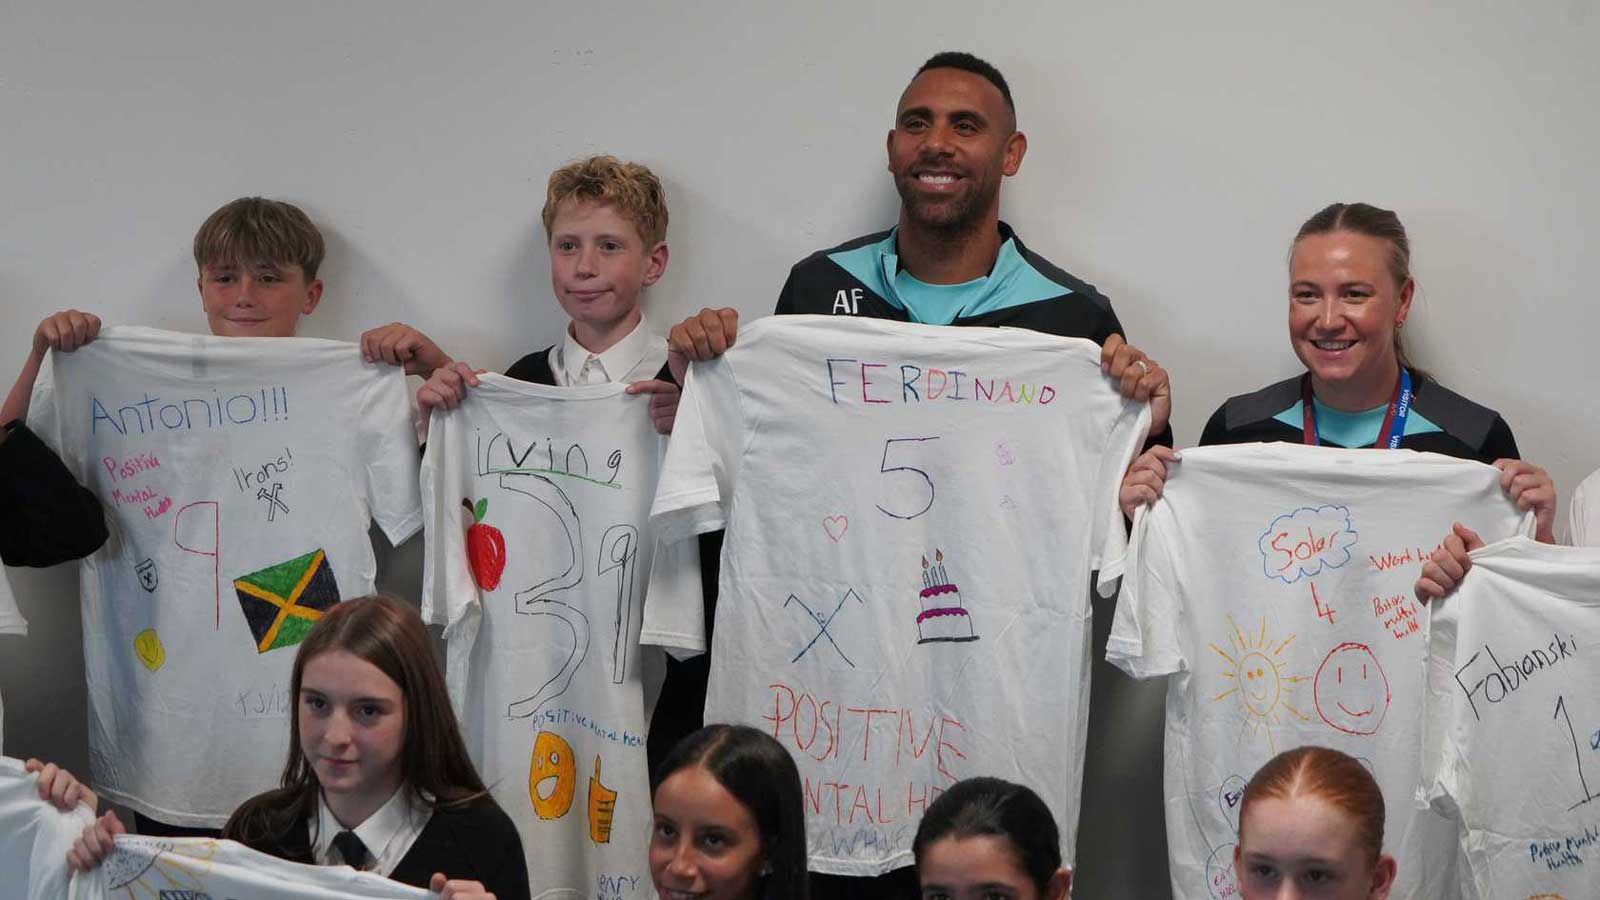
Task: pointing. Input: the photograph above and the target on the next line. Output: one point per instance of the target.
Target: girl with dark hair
(1311, 822)
(1350, 290)
(377, 775)
(985, 837)
(728, 819)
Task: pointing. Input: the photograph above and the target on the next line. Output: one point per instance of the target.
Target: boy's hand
(663, 402)
(398, 344)
(700, 337)
(454, 889)
(447, 386)
(58, 788)
(66, 331)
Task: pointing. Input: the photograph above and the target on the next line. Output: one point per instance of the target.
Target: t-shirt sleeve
(1110, 536)
(674, 606)
(389, 448)
(1437, 775)
(787, 297)
(34, 837)
(1144, 640)
(448, 589)
(696, 485)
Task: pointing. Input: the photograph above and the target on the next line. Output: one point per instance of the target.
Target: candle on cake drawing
(942, 617)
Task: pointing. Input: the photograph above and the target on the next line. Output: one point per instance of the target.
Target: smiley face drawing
(1351, 692)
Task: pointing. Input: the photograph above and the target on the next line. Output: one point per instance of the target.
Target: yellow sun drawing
(1257, 676)
(143, 868)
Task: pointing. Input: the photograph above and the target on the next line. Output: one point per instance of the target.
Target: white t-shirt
(11, 623)
(1585, 526)
(912, 514)
(34, 837)
(1513, 709)
(205, 869)
(239, 475)
(1273, 582)
(537, 561)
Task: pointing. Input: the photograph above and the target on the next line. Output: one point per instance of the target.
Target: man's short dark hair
(966, 62)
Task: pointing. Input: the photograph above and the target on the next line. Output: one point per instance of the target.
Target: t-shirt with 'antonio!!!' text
(239, 477)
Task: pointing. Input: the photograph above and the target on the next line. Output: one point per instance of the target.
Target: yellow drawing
(602, 807)
(145, 868)
(552, 776)
(147, 646)
(1257, 677)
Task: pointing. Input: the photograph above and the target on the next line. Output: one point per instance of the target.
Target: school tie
(351, 850)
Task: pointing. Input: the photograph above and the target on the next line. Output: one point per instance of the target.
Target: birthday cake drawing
(942, 617)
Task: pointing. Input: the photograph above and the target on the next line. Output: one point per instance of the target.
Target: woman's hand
(95, 844)
(1531, 487)
(1146, 478)
(58, 788)
(1443, 571)
(452, 889)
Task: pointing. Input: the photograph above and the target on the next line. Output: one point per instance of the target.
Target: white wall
(1174, 149)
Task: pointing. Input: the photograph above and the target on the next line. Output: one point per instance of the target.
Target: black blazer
(476, 843)
(49, 517)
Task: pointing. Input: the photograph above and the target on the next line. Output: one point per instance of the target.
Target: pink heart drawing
(836, 526)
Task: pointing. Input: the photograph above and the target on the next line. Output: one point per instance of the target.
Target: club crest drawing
(281, 602)
(942, 618)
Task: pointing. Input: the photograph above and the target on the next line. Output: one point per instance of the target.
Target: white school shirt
(1273, 582)
(1584, 530)
(388, 834)
(1513, 709)
(637, 357)
(207, 869)
(239, 476)
(538, 553)
(912, 514)
(34, 837)
(11, 623)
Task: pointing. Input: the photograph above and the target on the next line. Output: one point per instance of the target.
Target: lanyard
(1394, 421)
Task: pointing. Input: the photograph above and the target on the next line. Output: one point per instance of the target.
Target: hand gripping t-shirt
(239, 476)
(1273, 582)
(1513, 711)
(538, 556)
(206, 869)
(34, 837)
(912, 515)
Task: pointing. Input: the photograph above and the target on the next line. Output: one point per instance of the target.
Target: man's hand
(399, 344)
(663, 402)
(700, 337)
(447, 386)
(1138, 378)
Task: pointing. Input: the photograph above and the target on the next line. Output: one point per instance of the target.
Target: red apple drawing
(486, 547)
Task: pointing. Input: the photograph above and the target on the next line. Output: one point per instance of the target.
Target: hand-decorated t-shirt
(912, 515)
(205, 869)
(11, 623)
(34, 837)
(1273, 582)
(538, 556)
(1513, 711)
(1584, 530)
(239, 476)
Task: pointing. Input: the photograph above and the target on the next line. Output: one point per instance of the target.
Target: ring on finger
(1143, 365)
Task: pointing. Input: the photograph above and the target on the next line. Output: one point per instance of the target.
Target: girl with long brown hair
(377, 775)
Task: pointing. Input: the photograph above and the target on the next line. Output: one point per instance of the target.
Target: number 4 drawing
(1561, 713)
(909, 477)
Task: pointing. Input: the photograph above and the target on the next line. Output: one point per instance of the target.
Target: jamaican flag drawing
(283, 601)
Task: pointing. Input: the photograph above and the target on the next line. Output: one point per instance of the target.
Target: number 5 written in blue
(907, 474)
